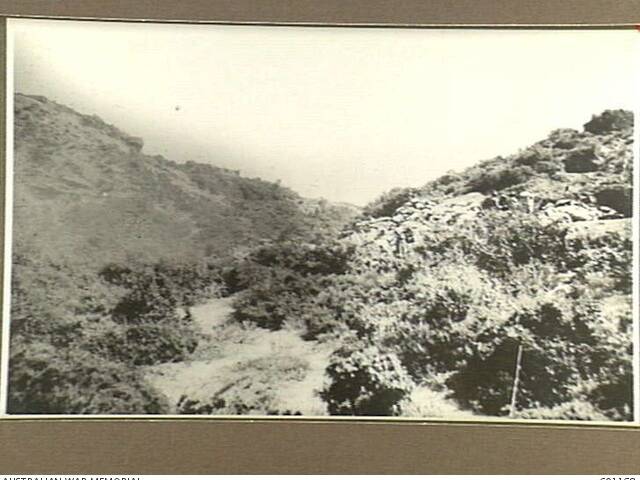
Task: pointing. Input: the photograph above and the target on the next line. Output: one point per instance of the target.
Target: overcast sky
(340, 113)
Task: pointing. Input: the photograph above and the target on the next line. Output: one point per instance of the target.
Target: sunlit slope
(85, 192)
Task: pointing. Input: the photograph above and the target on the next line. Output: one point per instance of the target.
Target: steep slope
(593, 167)
(86, 193)
(582, 180)
(531, 254)
(438, 293)
(112, 246)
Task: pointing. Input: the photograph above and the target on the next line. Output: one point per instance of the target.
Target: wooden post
(516, 382)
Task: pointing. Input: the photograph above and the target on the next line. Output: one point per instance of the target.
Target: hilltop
(593, 166)
(86, 193)
(580, 179)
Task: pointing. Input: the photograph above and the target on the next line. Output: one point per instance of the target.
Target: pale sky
(339, 113)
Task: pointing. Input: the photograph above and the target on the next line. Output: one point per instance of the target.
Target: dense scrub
(111, 247)
(455, 286)
(452, 312)
(78, 338)
(501, 290)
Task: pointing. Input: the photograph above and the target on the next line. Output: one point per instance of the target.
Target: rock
(599, 228)
(607, 213)
(405, 211)
(468, 200)
(577, 213)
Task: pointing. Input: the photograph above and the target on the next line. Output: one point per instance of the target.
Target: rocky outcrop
(571, 210)
(566, 161)
(599, 228)
(576, 179)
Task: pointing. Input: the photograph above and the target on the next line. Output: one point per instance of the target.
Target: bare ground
(255, 371)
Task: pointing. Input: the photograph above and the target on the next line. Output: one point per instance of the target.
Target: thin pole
(516, 382)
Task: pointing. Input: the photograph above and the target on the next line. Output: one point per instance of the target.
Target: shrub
(150, 329)
(501, 177)
(609, 120)
(273, 300)
(147, 343)
(365, 381)
(533, 155)
(44, 379)
(286, 284)
(444, 309)
(608, 256)
(559, 355)
(511, 239)
(612, 363)
(388, 203)
(565, 138)
(304, 258)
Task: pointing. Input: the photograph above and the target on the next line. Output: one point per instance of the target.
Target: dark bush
(365, 381)
(558, 356)
(388, 203)
(534, 155)
(608, 256)
(513, 238)
(501, 177)
(146, 343)
(43, 379)
(581, 159)
(609, 121)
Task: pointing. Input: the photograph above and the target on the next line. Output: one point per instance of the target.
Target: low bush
(559, 356)
(44, 379)
(501, 177)
(365, 381)
(388, 203)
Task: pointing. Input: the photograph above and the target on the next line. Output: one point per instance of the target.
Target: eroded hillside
(86, 193)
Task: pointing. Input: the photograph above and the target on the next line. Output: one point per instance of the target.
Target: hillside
(111, 245)
(144, 286)
(86, 193)
(435, 294)
(582, 180)
(592, 166)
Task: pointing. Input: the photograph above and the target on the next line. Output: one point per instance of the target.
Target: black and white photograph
(296, 221)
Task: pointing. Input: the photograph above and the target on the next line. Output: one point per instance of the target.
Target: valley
(144, 286)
